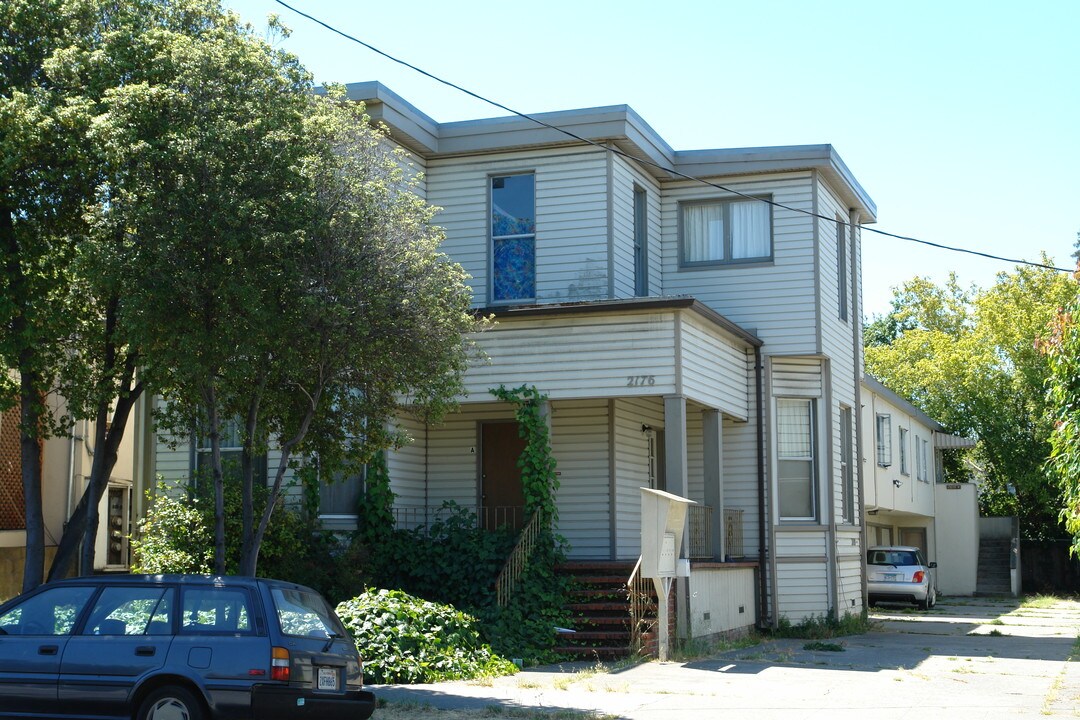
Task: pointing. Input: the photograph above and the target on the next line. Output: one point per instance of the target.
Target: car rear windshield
(305, 613)
(892, 557)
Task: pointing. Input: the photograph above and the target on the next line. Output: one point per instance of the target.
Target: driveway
(967, 658)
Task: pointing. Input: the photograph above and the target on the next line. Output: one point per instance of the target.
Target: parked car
(185, 647)
(897, 573)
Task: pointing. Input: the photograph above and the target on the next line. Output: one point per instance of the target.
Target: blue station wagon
(178, 647)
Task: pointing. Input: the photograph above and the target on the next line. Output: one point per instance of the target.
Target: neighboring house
(65, 469)
(689, 338)
(906, 500)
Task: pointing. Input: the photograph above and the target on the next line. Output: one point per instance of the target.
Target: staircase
(994, 577)
(600, 607)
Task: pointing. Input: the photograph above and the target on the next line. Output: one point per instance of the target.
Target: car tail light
(918, 577)
(279, 664)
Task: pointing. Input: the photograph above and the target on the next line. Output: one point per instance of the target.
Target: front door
(502, 498)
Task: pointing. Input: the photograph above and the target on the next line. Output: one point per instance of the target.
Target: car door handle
(48, 649)
(145, 650)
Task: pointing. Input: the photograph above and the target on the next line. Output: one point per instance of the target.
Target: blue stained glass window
(515, 268)
(513, 237)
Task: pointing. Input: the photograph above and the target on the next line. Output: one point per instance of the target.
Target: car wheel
(170, 703)
(931, 601)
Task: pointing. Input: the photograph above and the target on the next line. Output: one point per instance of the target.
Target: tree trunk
(214, 434)
(79, 530)
(31, 413)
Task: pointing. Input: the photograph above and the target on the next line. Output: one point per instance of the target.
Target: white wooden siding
(741, 478)
(802, 590)
(776, 299)
(407, 465)
(714, 368)
(625, 176)
(802, 543)
(571, 217)
(452, 453)
(632, 468)
(796, 377)
(578, 356)
(580, 444)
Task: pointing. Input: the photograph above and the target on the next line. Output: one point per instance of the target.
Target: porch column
(675, 444)
(675, 476)
(713, 443)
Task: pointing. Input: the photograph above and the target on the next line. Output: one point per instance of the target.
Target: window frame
(641, 241)
(201, 451)
(847, 462)
(883, 436)
(727, 260)
(492, 238)
(811, 461)
(841, 269)
(902, 446)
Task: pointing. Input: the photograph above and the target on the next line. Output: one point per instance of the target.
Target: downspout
(763, 584)
(856, 333)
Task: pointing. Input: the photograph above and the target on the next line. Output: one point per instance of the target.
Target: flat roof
(617, 125)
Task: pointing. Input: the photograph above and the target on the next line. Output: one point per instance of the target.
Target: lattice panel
(12, 505)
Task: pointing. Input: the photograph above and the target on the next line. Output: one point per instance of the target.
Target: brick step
(601, 620)
(598, 607)
(584, 652)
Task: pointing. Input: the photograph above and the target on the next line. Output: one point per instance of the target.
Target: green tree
(1062, 350)
(968, 358)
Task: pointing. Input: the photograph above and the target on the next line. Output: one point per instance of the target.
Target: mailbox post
(663, 517)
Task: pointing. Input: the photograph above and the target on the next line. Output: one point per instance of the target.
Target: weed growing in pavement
(697, 648)
(817, 627)
(1038, 602)
(824, 646)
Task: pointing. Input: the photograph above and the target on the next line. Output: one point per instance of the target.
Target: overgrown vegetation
(176, 536)
(817, 627)
(405, 639)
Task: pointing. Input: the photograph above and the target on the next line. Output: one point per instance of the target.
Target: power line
(650, 163)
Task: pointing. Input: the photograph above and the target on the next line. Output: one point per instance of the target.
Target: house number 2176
(640, 380)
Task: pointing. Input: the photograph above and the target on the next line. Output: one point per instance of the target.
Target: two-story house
(906, 499)
(694, 319)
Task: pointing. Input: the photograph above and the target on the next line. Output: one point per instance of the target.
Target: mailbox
(663, 517)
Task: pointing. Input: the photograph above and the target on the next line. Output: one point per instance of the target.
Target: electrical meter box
(663, 517)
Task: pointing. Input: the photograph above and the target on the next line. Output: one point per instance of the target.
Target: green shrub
(404, 639)
(818, 627)
(177, 536)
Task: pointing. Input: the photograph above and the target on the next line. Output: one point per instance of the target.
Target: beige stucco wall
(957, 525)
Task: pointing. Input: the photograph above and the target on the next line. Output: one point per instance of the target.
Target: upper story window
(841, 269)
(513, 237)
(231, 445)
(641, 243)
(796, 461)
(884, 440)
(725, 232)
(904, 470)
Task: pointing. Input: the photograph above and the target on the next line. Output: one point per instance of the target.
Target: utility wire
(650, 163)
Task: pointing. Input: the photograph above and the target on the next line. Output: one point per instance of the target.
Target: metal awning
(947, 441)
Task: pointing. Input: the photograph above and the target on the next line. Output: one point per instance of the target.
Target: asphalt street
(967, 658)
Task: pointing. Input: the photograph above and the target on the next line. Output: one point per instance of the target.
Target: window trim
(841, 269)
(641, 241)
(492, 237)
(883, 434)
(814, 478)
(847, 462)
(728, 260)
(902, 449)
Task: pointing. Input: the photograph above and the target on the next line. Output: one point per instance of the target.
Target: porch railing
(515, 564)
(700, 523)
(639, 591)
(419, 517)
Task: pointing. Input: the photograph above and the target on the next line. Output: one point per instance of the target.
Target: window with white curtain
(725, 231)
(796, 474)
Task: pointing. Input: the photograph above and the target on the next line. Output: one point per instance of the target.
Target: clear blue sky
(961, 119)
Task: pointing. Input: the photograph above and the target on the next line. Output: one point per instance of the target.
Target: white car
(897, 573)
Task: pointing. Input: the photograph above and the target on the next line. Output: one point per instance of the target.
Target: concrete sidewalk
(968, 658)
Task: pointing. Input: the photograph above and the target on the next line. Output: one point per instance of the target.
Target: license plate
(892, 577)
(328, 678)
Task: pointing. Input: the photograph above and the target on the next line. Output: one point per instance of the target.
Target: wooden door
(502, 498)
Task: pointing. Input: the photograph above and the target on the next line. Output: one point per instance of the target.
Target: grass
(1039, 602)
(696, 648)
(417, 711)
